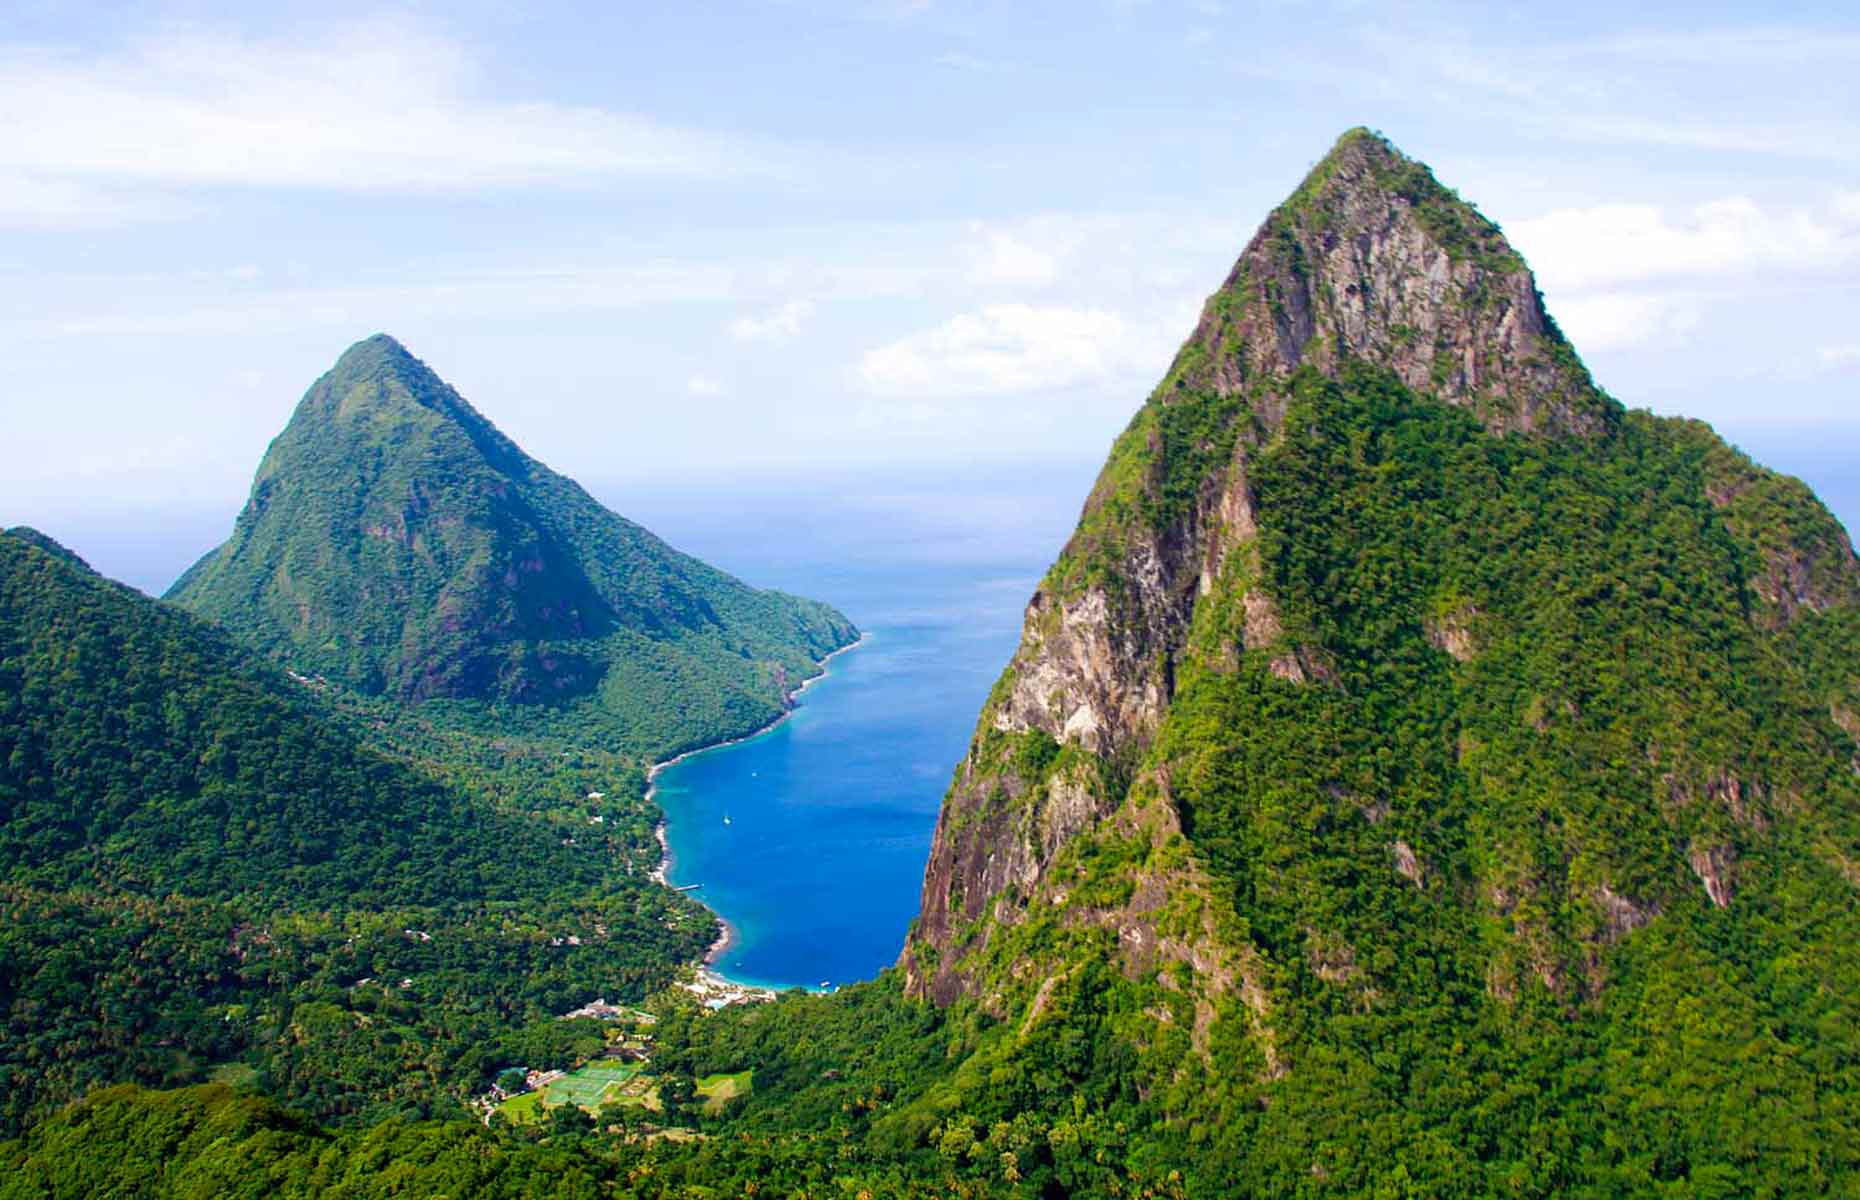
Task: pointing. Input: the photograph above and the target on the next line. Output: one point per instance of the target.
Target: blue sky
(687, 247)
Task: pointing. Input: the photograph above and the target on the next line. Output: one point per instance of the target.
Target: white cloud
(376, 108)
(35, 202)
(1836, 357)
(703, 385)
(784, 324)
(1001, 257)
(1005, 348)
(1621, 275)
(1113, 260)
(1617, 320)
(1621, 243)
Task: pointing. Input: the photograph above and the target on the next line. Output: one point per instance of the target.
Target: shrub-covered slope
(1407, 723)
(197, 864)
(397, 543)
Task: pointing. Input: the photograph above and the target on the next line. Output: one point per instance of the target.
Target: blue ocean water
(810, 839)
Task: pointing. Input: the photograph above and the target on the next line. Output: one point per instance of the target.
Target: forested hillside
(200, 866)
(400, 545)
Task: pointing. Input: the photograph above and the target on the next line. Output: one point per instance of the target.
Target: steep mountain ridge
(1223, 578)
(396, 541)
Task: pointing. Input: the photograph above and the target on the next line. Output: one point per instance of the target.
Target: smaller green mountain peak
(376, 349)
(380, 393)
(384, 364)
(395, 540)
(376, 358)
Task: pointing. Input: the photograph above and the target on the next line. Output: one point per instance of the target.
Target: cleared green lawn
(717, 1089)
(523, 1110)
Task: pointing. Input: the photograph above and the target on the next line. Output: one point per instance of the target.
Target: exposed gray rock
(1716, 866)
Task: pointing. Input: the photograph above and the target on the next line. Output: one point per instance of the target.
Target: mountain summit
(1398, 683)
(1371, 258)
(396, 541)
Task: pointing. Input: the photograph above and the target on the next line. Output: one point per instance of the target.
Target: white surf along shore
(710, 981)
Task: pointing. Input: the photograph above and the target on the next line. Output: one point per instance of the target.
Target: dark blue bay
(810, 838)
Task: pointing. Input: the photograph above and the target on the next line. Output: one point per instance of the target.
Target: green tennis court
(592, 1085)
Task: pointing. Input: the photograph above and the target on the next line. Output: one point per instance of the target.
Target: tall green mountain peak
(1397, 683)
(397, 542)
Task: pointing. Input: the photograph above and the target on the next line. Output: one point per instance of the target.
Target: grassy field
(523, 1110)
(717, 1089)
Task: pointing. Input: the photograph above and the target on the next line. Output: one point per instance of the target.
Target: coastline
(726, 938)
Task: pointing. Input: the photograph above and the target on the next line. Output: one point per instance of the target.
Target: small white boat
(726, 818)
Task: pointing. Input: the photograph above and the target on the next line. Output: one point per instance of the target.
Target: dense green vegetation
(838, 1109)
(1547, 1001)
(1438, 1043)
(399, 545)
(202, 866)
(1497, 834)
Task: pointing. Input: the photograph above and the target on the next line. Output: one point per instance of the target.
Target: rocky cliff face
(1372, 258)
(1371, 276)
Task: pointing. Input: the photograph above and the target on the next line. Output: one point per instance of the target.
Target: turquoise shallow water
(810, 838)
